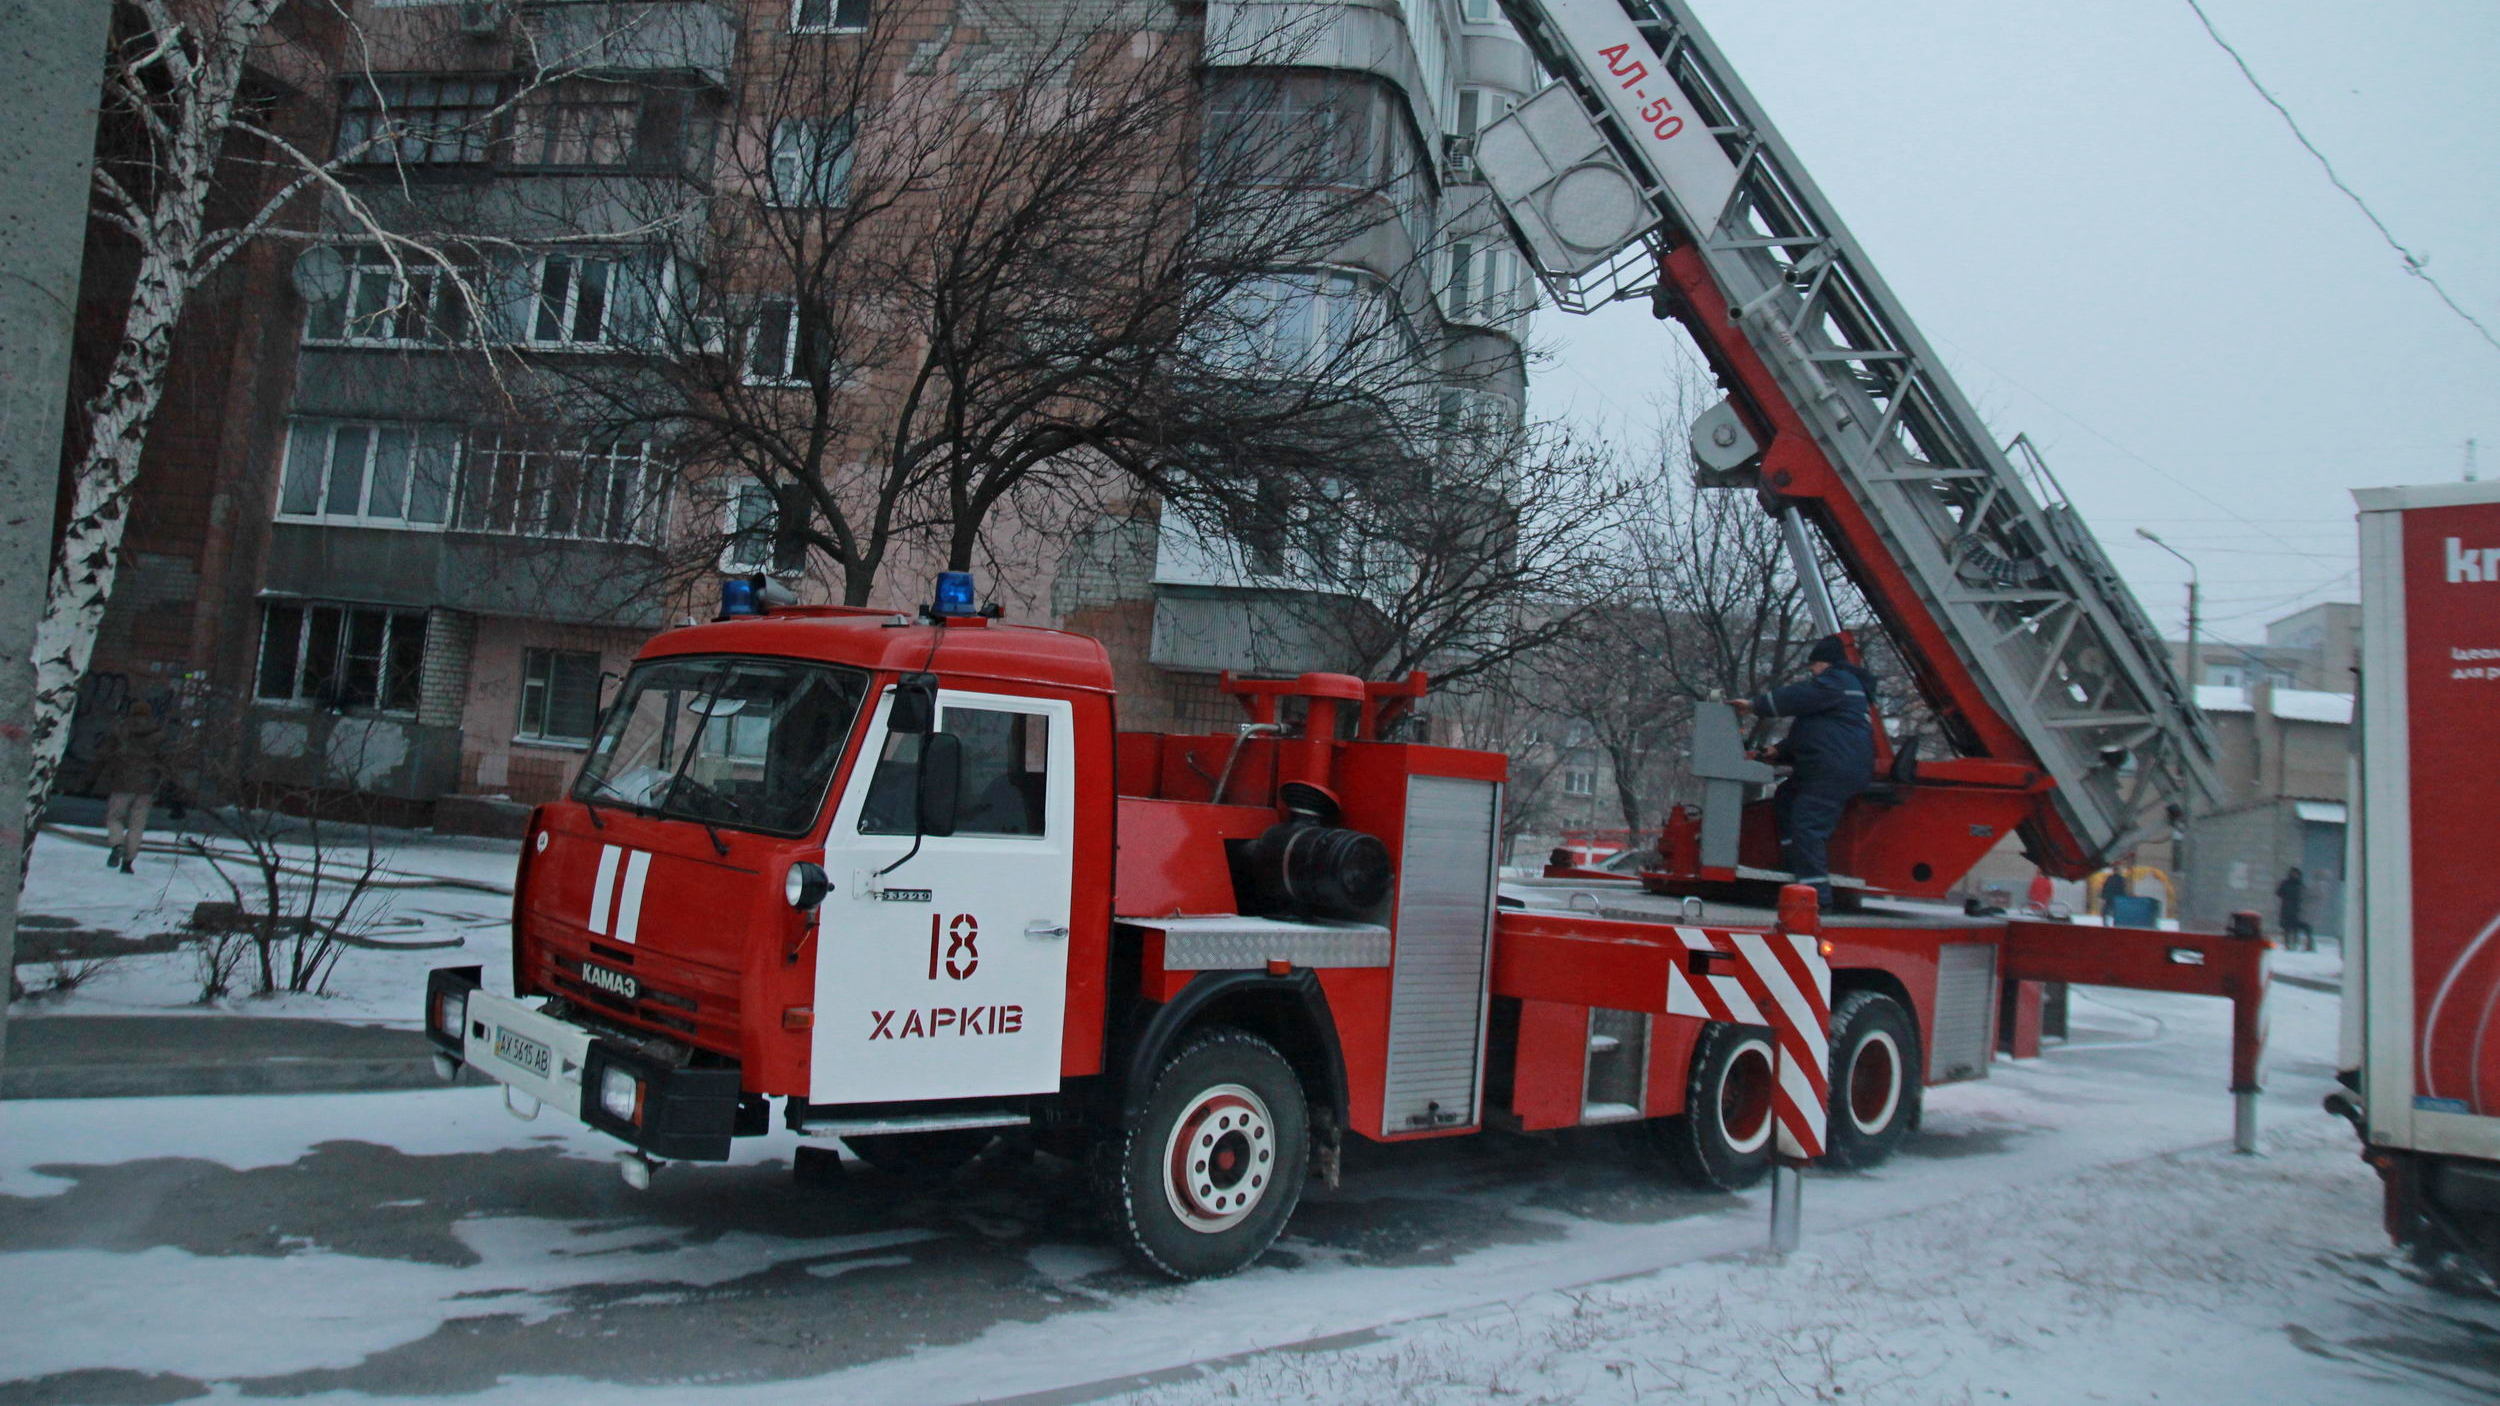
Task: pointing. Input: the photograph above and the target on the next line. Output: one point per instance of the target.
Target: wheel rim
(1745, 1097)
(1874, 1082)
(1221, 1158)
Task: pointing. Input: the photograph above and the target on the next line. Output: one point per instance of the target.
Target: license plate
(614, 983)
(522, 1052)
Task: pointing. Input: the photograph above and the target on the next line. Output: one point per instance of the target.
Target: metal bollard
(2248, 1037)
(1787, 1205)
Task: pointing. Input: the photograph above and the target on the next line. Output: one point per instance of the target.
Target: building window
(591, 122)
(607, 491)
(341, 656)
(413, 302)
(1479, 108)
(1480, 11)
(583, 301)
(1330, 326)
(1579, 781)
(418, 119)
(812, 162)
(755, 541)
(575, 301)
(788, 345)
(1484, 281)
(559, 695)
(828, 16)
(369, 474)
(1304, 129)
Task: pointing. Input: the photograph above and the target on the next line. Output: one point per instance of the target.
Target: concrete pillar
(47, 143)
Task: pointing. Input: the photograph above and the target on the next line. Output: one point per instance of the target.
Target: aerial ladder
(1648, 170)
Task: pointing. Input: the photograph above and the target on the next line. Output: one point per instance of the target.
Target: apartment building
(435, 558)
(1413, 80)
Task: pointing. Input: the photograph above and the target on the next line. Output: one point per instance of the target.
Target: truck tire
(1875, 1080)
(1722, 1141)
(922, 1156)
(1207, 1178)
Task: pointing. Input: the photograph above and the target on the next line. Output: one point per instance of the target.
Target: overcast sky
(2119, 248)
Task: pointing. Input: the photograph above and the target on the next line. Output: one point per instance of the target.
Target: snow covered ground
(2188, 1277)
(440, 900)
(2071, 1229)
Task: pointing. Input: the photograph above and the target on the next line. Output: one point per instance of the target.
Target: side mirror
(914, 713)
(941, 781)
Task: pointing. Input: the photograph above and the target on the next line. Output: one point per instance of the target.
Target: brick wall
(443, 684)
(494, 760)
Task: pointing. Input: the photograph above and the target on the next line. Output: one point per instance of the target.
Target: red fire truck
(2422, 979)
(904, 873)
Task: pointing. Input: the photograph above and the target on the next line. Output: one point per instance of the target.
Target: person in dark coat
(2116, 884)
(1830, 750)
(2291, 899)
(129, 769)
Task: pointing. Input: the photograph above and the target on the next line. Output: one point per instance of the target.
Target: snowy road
(2070, 1229)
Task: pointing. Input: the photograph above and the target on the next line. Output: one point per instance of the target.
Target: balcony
(663, 36)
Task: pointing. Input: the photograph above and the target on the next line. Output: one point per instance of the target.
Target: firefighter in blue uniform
(1830, 750)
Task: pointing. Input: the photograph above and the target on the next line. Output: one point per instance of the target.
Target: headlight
(620, 1094)
(805, 885)
(451, 1013)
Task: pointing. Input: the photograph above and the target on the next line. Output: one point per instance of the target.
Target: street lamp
(2195, 666)
(2181, 814)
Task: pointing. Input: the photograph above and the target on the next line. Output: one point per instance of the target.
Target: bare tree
(1505, 541)
(207, 144)
(174, 95)
(298, 849)
(1502, 715)
(1706, 606)
(955, 287)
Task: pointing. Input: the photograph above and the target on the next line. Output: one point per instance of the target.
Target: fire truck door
(941, 971)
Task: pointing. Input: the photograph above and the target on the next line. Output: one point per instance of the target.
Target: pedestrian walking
(2291, 898)
(130, 767)
(1830, 751)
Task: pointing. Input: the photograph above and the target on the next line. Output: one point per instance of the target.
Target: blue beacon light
(737, 598)
(955, 594)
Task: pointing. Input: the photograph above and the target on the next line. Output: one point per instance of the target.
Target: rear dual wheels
(1205, 1181)
(1722, 1142)
(1875, 1080)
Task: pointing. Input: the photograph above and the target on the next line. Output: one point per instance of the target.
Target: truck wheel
(1203, 1183)
(1875, 1081)
(1722, 1141)
(922, 1156)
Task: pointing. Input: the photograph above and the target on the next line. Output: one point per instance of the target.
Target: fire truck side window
(1006, 776)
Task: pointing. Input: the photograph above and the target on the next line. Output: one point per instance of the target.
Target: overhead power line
(2414, 263)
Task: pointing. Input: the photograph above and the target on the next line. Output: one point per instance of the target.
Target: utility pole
(2469, 461)
(47, 145)
(2195, 670)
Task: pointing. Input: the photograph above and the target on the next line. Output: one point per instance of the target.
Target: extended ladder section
(1649, 169)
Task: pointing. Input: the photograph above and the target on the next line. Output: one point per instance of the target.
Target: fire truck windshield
(739, 742)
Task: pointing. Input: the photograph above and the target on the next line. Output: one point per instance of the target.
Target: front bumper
(670, 1111)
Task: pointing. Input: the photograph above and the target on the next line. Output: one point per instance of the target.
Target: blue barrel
(2132, 911)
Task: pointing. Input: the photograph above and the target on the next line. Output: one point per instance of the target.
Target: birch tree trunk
(178, 78)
